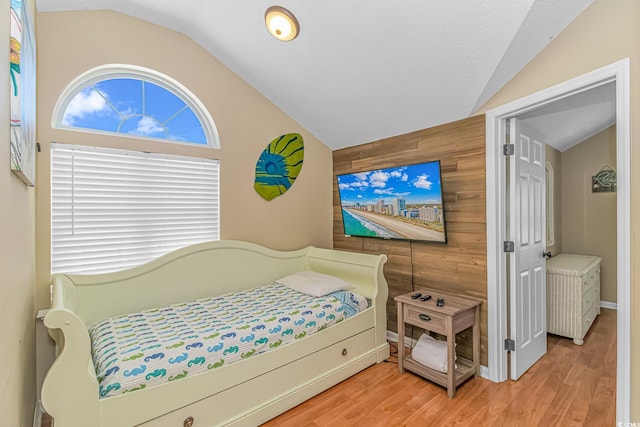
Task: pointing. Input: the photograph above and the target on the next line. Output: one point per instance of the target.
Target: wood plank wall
(461, 264)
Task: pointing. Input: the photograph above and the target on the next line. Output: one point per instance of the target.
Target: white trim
(496, 262)
(549, 208)
(609, 305)
(484, 371)
(495, 179)
(38, 411)
(112, 71)
(393, 337)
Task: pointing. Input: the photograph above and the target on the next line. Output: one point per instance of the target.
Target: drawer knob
(188, 422)
(344, 352)
(424, 317)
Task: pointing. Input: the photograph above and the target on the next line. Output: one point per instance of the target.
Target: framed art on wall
(22, 85)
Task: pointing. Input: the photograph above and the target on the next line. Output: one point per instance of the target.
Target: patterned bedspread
(134, 351)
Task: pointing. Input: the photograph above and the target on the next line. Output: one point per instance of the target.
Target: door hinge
(508, 149)
(509, 246)
(509, 345)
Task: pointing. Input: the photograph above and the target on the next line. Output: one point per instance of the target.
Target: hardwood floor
(570, 386)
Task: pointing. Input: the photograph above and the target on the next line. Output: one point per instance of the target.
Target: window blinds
(115, 209)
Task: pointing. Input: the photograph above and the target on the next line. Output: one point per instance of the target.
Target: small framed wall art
(604, 181)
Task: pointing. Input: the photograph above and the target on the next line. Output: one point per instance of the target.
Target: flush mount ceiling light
(281, 23)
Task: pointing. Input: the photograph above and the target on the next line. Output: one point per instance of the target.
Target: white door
(528, 323)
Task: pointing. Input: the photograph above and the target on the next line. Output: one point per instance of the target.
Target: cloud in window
(148, 126)
(85, 103)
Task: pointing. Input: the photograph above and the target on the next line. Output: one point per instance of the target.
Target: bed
(249, 391)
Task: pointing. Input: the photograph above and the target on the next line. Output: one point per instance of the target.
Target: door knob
(547, 254)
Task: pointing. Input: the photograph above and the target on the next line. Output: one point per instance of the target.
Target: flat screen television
(403, 202)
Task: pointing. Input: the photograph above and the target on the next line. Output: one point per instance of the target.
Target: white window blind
(115, 209)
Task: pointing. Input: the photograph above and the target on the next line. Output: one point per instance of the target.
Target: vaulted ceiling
(363, 70)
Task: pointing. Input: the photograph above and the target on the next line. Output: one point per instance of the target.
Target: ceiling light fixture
(281, 23)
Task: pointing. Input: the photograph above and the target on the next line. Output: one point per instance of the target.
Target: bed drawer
(343, 358)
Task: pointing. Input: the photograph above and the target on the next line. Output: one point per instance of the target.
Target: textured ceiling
(363, 70)
(573, 119)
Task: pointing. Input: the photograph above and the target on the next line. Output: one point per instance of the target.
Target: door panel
(528, 275)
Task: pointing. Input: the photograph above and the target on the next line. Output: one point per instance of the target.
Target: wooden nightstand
(457, 314)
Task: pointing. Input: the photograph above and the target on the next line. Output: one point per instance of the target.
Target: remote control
(425, 298)
(416, 295)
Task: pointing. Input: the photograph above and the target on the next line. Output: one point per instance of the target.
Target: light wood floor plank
(570, 386)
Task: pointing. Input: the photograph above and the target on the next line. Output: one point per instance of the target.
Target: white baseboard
(37, 414)
(393, 337)
(609, 305)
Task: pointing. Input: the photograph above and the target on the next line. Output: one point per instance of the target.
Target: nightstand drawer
(424, 318)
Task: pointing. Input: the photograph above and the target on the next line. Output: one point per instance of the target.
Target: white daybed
(246, 392)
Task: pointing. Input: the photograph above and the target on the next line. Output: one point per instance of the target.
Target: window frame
(126, 71)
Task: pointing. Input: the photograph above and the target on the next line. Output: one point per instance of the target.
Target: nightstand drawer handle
(424, 317)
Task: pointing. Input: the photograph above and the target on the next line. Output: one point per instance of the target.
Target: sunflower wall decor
(279, 165)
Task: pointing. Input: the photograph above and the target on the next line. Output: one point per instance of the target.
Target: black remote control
(425, 298)
(416, 295)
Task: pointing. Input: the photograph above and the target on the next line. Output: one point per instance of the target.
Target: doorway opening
(497, 219)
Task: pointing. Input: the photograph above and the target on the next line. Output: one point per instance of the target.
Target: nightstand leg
(451, 362)
(400, 337)
(476, 341)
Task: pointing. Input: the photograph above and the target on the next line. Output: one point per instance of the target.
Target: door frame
(496, 219)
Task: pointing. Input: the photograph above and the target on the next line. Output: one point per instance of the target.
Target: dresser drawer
(424, 318)
(591, 279)
(588, 298)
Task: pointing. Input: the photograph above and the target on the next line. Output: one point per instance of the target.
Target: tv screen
(403, 202)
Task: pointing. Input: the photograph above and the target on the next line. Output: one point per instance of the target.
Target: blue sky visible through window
(134, 107)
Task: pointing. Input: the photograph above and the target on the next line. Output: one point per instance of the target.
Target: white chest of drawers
(573, 295)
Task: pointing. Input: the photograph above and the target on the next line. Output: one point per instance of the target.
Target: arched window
(116, 208)
(135, 102)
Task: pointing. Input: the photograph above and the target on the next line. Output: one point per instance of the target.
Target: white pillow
(313, 283)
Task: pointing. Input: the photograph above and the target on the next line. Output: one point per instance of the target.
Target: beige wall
(17, 312)
(590, 218)
(70, 43)
(553, 157)
(604, 33)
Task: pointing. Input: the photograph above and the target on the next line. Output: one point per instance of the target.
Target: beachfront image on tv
(403, 202)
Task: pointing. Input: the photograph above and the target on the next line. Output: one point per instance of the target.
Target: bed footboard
(72, 371)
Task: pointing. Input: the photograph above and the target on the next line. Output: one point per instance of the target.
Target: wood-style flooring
(570, 386)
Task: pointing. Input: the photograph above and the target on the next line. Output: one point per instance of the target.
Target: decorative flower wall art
(22, 86)
(279, 165)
